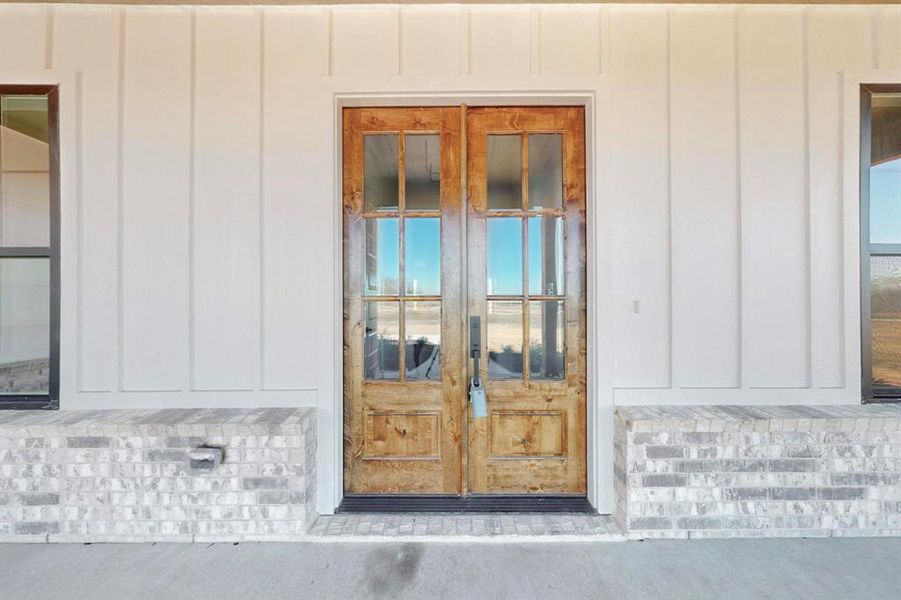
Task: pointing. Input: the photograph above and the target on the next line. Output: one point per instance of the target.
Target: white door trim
(599, 289)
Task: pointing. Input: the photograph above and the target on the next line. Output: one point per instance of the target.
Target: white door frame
(599, 441)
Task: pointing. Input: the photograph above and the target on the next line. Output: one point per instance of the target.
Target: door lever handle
(475, 346)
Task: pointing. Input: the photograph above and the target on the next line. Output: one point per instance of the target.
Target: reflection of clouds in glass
(885, 202)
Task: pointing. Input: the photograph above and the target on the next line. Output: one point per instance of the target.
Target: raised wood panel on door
(534, 438)
(403, 437)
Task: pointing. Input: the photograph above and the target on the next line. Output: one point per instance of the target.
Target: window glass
(546, 321)
(545, 170)
(422, 327)
(380, 344)
(885, 230)
(422, 171)
(381, 246)
(24, 171)
(885, 202)
(24, 326)
(422, 256)
(505, 323)
(885, 302)
(380, 180)
(25, 269)
(504, 256)
(546, 256)
(504, 172)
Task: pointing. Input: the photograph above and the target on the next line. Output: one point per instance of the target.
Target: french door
(421, 261)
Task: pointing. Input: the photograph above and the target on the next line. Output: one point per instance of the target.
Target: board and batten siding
(207, 235)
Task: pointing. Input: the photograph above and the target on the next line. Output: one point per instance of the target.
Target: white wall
(207, 201)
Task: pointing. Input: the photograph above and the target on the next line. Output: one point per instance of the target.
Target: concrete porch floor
(734, 569)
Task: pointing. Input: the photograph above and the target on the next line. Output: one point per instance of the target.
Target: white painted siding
(206, 248)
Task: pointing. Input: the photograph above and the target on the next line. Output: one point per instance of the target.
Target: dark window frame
(870, 392)
(51, 399)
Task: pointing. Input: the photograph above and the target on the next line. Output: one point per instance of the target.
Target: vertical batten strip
(400, 41)
(808, 203)
(120, 219)
(674, 378)
(742, 340)
(330, 62)
(48, 38)
(535, 40)
(192, 217)
(465, 41)
(604, 33)
(261, 194)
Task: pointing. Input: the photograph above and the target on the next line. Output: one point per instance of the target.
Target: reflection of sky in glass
(505, 256)
(885, 203)
(422, 256)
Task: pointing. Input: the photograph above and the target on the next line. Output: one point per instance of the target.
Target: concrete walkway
(732, 569)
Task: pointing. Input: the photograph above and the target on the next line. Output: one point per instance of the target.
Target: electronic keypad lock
(476, 389)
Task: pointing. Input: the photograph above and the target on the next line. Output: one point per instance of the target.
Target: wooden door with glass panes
(526, 239)
(403, 367)
(411, 284)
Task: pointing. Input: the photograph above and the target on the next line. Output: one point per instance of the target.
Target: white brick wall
(758, 471)
(123, 475)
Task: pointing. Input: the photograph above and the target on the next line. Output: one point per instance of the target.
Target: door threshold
(475, 503)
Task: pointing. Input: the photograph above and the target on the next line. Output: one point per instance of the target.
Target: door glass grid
(402, 257)
(525, 256)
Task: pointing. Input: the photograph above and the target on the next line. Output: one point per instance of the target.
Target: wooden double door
(421, 258)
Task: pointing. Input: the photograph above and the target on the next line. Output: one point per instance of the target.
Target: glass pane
(504, 256)
(380, 346)
(546, 255)
(885, 202)
(546, 320)
(504, 172)
(422, 171)
(504, 340)
(545, 170)
(422, 323)
(885, 299)
(24, 326)
(381, 246)
(885, 169)
(25, 166)
(380, 186)
(422, 256)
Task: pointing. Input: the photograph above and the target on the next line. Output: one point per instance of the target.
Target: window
(29, 247)
(880, 192)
